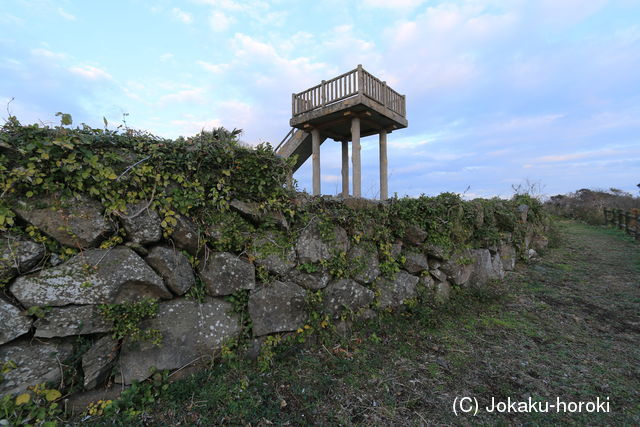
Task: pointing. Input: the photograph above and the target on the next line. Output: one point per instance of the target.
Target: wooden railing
(628, 221)
(352, 83)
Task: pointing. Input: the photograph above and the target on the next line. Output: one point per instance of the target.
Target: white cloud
(11, 19)
(393, 4)
(182, 16)
(66, 15)
(90, 72)
(220, 22)
(444, 47)
(298, 72)
(190, 126)
(214, 68)
(44, 53)
(564, 13)
(193, 95)
(581, 155)
(166, 56)
(526, 122)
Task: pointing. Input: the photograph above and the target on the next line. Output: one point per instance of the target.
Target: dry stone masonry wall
(49, 303)
(121, 253)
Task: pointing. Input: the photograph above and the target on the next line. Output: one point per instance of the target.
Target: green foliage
(38, 406)
(309, 267)
(37, 311)
(198, 291)
(126, 318)
(134, 400)
(194, 176)
(388, 265)
(239, 300)
(338, 266)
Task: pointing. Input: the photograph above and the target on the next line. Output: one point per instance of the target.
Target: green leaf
(65, 119)
(52, 395)
(22, 399)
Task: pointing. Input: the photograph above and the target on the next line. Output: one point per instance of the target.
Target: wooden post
(355, 156)
(315, 154)
(345, 169)
(384, 185)
(620, 219)
(360, 79)
(384, 93)
(293, 104)
(324, 94)
(627, 219)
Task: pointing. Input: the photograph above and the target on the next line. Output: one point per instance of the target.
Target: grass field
(566, 326)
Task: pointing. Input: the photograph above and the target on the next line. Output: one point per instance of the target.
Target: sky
(541, 93)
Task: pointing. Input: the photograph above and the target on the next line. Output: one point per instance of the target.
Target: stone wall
(49, 302)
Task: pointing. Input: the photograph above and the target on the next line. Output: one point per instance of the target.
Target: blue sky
(498, 92)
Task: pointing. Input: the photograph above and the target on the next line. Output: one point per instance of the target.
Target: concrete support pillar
(315, 155)
(384, 184)
(345, 169)
(355, 156)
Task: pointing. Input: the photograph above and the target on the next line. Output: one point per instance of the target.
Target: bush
(588, 205)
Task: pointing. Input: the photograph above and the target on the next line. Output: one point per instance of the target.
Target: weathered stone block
(438, 274)
(271, 255)
(18, 255)
(190, 331)
(459, 267)
(173, 266)
(365, 260)
(507, 256)
(277, 307)
(225, 273)
(394, 293)
(415, 263)
(346, 294)
(185, 235)
(95, 276)
(311, 247)
(312, 281)
(414, 235)
(442, 290)
(71, 320)
(436, 251)
(72, 222)
(253, 213)
(485, 268)
(36, 362)
(142, 224)
(98, 361)
(12, 322)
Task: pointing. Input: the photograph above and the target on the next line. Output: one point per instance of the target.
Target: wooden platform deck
(331, 105)
(353, 105)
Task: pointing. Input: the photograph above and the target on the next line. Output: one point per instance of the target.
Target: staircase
(296, 143)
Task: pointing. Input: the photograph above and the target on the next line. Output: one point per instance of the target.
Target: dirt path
(565, 327)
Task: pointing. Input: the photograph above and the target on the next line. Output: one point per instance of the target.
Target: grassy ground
(567, 326)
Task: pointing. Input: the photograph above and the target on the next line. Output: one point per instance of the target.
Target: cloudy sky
(499, 92)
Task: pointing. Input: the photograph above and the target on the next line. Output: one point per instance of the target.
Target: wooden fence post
(627, 220)
(384, 94)
(293, 104)
(620, 219)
